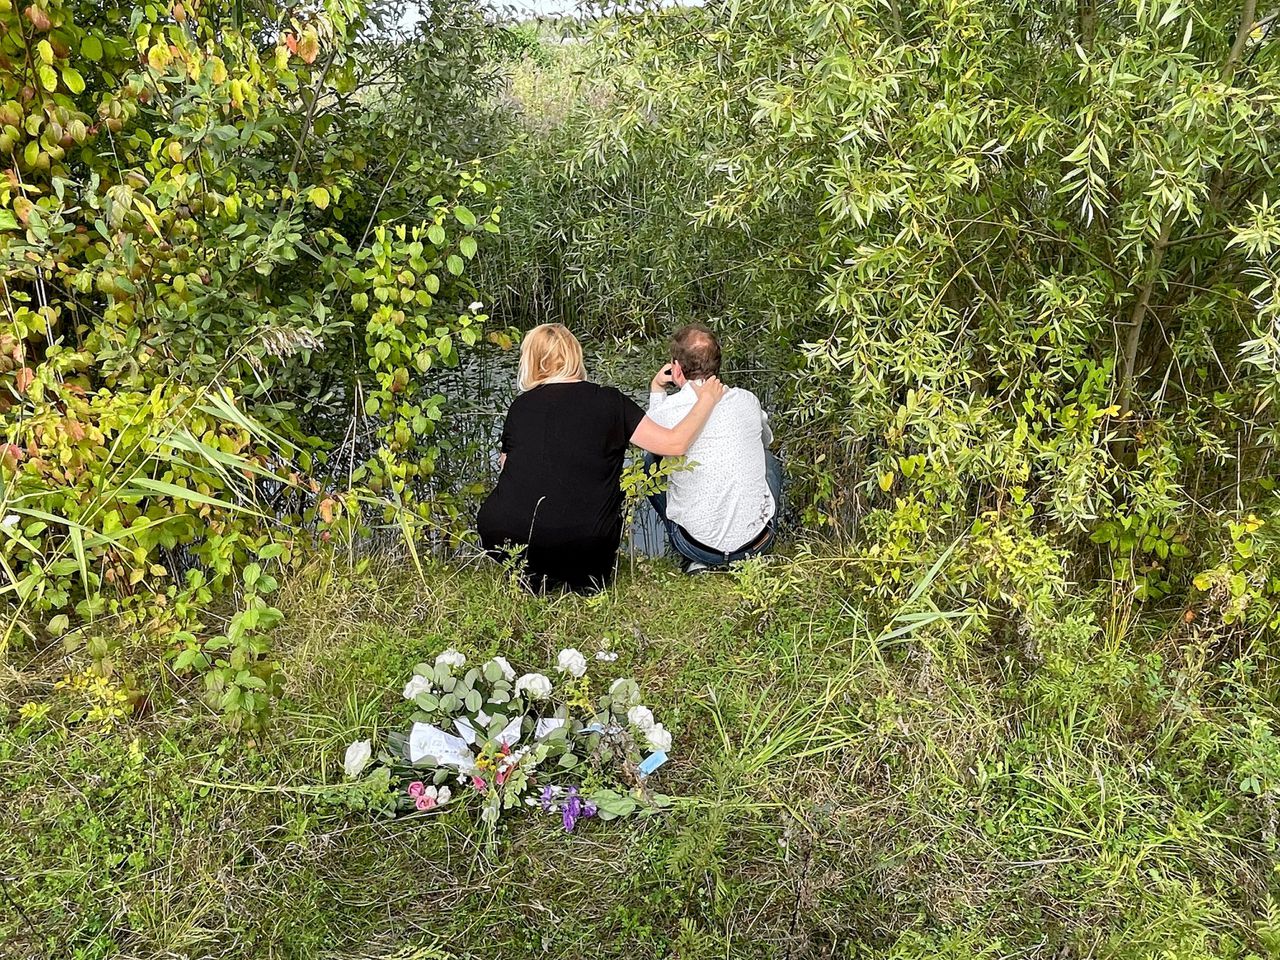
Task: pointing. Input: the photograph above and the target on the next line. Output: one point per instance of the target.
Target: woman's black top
(558, 492)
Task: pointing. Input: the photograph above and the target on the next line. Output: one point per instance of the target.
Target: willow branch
(1248, 15)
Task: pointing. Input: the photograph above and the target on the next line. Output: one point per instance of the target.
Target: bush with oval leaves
(208, 234)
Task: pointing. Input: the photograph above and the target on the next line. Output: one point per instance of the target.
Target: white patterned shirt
(723, 501)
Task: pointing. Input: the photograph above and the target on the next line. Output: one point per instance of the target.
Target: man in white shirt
(724, 506)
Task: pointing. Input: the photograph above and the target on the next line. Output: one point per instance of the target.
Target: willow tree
(1045, 236)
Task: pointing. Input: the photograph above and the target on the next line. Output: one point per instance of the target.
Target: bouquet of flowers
(484, 735)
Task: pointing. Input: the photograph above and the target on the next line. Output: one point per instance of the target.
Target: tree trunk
(1138, 315)
(1086, 23)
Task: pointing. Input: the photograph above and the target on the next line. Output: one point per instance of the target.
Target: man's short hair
(697, 350)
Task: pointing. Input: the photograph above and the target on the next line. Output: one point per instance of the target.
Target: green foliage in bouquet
(488, 737)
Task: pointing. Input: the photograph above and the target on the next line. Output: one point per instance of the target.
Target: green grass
(846, 787)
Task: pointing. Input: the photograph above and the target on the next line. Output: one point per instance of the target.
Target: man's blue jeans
(683, 544)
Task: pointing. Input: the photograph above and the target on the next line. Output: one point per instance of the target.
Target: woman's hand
(674, 442)
(711, 389)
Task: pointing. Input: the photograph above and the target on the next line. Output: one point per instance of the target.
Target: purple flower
(572, 809)
(588, 809)
(548, 796)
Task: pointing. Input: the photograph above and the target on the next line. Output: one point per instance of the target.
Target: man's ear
(677, 375)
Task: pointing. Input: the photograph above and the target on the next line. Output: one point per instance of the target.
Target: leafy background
(1006, 273)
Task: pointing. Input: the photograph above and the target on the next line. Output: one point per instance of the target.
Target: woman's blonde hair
(549, 353)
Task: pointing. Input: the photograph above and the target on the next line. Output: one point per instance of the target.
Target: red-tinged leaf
(23, 379)
(39, 19)
(309, 48)
(291, 42)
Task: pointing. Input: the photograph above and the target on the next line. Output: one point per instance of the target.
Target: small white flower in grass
(357, 758)
(571, 662)
(415, 686)
(641, 718)
(608, 656)
(475, 305)
(451, 658)
(12, 520)
(659, 737)
(507, 672)
(537, 686)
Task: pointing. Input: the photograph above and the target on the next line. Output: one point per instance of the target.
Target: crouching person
(724, 507)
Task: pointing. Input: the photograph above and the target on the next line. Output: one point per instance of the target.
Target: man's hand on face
(662, 379)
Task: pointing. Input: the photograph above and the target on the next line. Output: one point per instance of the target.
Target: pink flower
(424, 803)
(416, 789)
(479, 784)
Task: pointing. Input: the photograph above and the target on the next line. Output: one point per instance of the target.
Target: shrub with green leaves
(220, 268)
(1021, 256)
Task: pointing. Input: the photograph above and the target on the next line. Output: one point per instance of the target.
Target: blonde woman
(563, 445)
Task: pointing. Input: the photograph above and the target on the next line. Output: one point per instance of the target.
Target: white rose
(535, 684)
(641, 718)
(415, 686)
(571, 662)
(659, 737)
(443, 795)
(357, 758)
(451, 658)
(507, 673)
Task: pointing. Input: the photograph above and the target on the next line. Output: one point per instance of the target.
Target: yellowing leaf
(71, 77)
(320, 197)
(309, 46)
(48, 77)
(886, 481)
(159, 57)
